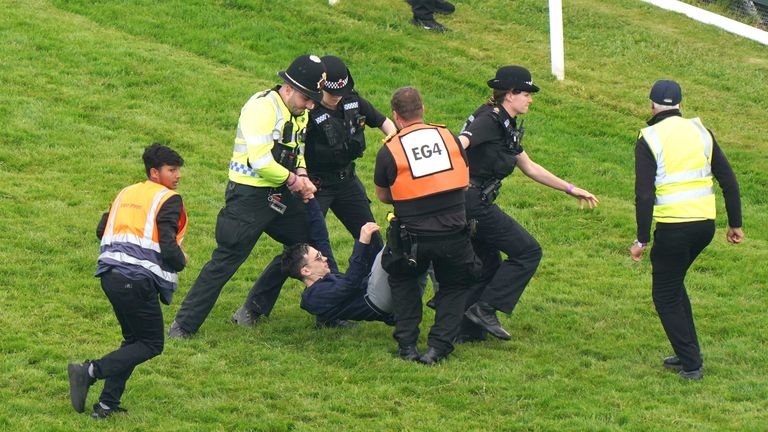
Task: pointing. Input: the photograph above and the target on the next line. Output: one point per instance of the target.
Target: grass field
(86, 85)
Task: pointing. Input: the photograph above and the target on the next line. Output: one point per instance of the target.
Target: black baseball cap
(666, 92)
(338, 80)
(513, 78)
(307, 75)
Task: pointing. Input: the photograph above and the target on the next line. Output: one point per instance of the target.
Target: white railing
(714, 19)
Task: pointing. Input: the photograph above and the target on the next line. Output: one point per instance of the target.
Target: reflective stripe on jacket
(262, 125)
(683, 152)
(428, 161)
(131, 237)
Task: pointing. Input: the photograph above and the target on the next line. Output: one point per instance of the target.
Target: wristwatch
(639, 244)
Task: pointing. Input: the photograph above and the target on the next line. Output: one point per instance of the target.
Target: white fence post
(556, 38)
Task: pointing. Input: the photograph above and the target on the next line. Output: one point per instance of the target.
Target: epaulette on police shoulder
(389, 137)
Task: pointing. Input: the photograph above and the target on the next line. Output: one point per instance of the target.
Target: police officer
(335, 139)
(139, 262)
(493, 140)
(423, 172)
(675, 159)
(266, 170)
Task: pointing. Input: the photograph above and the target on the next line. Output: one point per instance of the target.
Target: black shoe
(79, 383)
(484, 315)
(99, 412)
(337, 323)
(444, 7)
(430, 25)
(693, 375)
(409, 353)
(433, 355)
(244, 317)
(673, 363)
(175, 331)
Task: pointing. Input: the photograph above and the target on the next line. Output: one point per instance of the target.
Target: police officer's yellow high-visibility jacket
(269, 142)
(683, 152)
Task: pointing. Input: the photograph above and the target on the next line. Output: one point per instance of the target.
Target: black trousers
(245, 216)
(675, 248)
(351, 205)
(501, 283)
(137, 309)
(455, 267)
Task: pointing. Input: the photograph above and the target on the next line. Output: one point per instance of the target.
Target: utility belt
(330, 178)
(489, 188)
(405, 243)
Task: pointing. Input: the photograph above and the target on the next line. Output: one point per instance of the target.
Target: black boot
(409, 353)
(484, 315)
(434, 355)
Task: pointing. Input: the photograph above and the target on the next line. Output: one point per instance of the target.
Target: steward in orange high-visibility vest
(426, 157)
(131, 242)
(140, 255)
(422, 171)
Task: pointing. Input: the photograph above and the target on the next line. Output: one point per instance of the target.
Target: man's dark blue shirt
(339, 296)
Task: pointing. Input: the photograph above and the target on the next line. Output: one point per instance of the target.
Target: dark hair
(406, 102)
(293, 260)
(498, 96)
(157, 155)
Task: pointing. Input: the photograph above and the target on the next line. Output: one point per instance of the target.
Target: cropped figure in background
(424, 14)
(675, 160)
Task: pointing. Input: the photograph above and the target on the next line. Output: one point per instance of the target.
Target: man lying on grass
(360, 294)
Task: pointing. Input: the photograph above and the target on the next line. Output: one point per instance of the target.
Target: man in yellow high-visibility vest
(675, 160)
(267, 182)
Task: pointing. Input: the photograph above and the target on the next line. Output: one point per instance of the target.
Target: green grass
(86, 85)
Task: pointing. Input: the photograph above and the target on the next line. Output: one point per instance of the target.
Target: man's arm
(384, 195)
(725, 176)
(102, 226)
(645, 194)
(167, 220)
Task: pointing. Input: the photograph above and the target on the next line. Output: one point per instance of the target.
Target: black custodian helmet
(307, 75)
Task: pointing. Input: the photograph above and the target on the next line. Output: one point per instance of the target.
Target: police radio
(515, 139)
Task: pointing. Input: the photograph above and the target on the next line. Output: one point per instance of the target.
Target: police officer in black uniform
(335, 138)
(493, 140)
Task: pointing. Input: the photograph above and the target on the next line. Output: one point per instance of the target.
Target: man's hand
(734, 235)
(302, 186)
(366, 232)
(636, 252)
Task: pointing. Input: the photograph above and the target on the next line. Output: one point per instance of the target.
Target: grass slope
(87, 84)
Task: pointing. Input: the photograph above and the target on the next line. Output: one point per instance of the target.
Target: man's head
(163, 165)
(665, 95)
(305, 263)
(304, 81)
(407, 107)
